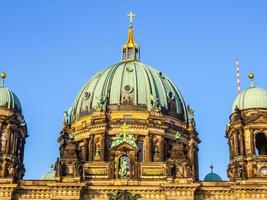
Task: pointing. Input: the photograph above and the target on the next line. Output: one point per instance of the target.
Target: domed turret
(8, 99)
(212, 176)
(252, 97)
(49, 175)
(246, 133)
(12, 134)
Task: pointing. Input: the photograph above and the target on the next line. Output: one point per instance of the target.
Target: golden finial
(130, 50)
(3, 77)
(251, 76)
(211, 167)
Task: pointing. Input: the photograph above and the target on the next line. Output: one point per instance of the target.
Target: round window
(86, 95)
(128, 88)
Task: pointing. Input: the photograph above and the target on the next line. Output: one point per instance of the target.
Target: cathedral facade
(130, 135)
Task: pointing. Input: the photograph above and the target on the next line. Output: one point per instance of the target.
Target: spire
(251, 77)
(130, 50)
(211, 168)
(238, 76)
(3, 77)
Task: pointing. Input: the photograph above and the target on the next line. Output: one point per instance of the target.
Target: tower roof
(212, 176)
(8, 98)
(252, 97)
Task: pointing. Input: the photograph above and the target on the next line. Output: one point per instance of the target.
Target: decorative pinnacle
(251, 77)
(3, 77)
(51, 167)
(211, 167)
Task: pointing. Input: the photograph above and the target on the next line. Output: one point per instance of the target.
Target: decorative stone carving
(123, 195)
(178, 165)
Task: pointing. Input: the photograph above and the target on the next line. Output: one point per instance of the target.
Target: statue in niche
(156, 152)
(97, 151)
(124, 167)
(10, 169)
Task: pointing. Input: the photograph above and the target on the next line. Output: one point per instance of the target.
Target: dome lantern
(130, 50)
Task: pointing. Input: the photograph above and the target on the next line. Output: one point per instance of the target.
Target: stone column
(90, 148)
(241, 142)
(147, 150)
(102, 147)
(161, 148)
(84, 150)
(236, 143)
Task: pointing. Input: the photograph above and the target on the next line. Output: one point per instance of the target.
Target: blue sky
(50, 48)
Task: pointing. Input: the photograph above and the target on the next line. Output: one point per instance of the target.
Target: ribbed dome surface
(253, 97)
(130, 85)
(8, 99)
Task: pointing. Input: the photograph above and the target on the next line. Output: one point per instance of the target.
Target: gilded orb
(251, 76)
(3, 75)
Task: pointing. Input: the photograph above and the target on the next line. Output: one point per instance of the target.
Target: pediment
(124, 145)
(259, 119)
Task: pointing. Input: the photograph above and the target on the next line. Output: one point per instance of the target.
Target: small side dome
(48, 176)
(8, 99)
(252, 97)
(212, 176)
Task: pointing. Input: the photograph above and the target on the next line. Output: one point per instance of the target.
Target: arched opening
(261, 144)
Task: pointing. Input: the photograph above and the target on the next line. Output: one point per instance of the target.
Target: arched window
(261, 144)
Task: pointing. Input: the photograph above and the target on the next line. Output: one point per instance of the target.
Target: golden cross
(131, 15)
(125, 128)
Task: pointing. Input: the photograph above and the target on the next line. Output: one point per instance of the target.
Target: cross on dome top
(131, 15)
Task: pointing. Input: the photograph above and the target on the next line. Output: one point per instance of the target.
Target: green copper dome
(252, 97)
(48, 176)
(8, 99)
(130, 85)
(212, 177)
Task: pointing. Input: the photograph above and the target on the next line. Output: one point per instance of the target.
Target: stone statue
(178, 135)
(100, 104)
(67, 117)
(191, 113)
(123, 167)
(57, 168)
(128, 138)
(155, 103)
(117, 140)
